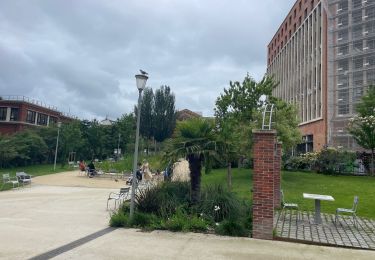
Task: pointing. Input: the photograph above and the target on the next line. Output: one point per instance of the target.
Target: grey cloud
(82, 55)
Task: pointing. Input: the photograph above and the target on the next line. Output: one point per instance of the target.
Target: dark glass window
(30, 117)
(3, 113)
(14, 114)
(42, 119)
(52, 120)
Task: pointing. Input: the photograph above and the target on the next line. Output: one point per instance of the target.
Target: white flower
(217, 208)
(216, 224)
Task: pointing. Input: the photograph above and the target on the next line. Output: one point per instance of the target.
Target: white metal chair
(288, 205)
(352, 211)
(23, 178)
(8, 179)
(119, 197)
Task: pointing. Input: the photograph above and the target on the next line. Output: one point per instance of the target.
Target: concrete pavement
(36, 220)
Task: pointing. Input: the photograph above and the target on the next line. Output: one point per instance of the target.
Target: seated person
(92, 170)
(82, 166)
(139, 173)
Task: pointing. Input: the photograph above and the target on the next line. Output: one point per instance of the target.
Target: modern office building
(18, 113)
(323, 55)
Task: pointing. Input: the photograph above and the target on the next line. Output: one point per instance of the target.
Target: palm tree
(194, 140)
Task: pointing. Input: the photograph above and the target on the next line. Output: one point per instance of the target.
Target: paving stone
(345, 233)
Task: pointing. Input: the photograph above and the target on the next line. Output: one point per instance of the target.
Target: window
(300, 5)
(3, 113)
(14, 114)
(30, 117)
(305, 13)
(42, 119)
(295, 13)
(52, 120)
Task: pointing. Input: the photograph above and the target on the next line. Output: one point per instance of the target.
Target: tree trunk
(229, 176)
(195, 167)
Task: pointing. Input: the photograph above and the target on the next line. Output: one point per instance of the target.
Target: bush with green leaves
(327, 161)
(333, 161)
(167, 206)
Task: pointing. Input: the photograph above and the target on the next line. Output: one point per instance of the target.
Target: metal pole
(57, 145)
(134, 185)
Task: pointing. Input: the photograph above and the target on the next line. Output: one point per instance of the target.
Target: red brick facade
(266, 170)
(289, 26)
(12, 126)
(277, 177)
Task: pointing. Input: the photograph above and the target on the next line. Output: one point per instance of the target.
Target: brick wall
(263, 183)
(277, 177)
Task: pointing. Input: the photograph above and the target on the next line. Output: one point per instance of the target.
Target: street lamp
(141, 84)
(57, 144)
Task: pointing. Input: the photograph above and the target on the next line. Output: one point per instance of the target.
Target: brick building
(323, 55)
(18, 113)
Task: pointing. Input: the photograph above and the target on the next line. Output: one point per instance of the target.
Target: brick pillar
(277, 177)
(263, 183)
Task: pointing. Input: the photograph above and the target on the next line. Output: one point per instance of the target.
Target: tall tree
(194, 140)
(362, 126)
(147, 108)
(164, 116)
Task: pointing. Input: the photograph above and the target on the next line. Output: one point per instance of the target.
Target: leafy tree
(362, 126)
(8, 150)
(228, 144)
(125, 126)
(164, 116)
(285, 122)
(243, 100)
(146, 120)
(194, 140)
(71, 139)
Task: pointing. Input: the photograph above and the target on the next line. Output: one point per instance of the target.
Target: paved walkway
(343, 234)
(63, 222)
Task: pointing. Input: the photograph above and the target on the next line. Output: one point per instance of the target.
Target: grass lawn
(342, 188)
(35, 170)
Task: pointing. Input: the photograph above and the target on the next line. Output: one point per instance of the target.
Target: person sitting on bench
(92, 171)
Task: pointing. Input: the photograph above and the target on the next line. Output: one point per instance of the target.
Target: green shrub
(119, 220)
(302, 162)
(332, 161)
(143, 220)
(231, 228)
(219, 203)
(197, 224)
(178, 222)
(163, 199)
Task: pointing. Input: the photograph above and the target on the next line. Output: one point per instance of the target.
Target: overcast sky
(82, 55)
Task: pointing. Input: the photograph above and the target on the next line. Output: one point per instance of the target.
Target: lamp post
(57, 143)
(141, 80)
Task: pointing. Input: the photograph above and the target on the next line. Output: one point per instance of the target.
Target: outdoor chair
(119, 197)
(287, 205)
(8, 179)
(23, 178)
(352, 211)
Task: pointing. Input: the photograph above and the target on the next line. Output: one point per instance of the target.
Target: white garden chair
(23, 178)
(288, 205)
(119, 197)
(351, 211)
(8, 179)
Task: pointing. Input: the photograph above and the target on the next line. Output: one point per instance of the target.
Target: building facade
(18, 113)
(321, 56)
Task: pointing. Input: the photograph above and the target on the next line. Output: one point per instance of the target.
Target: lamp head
(141, 81)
